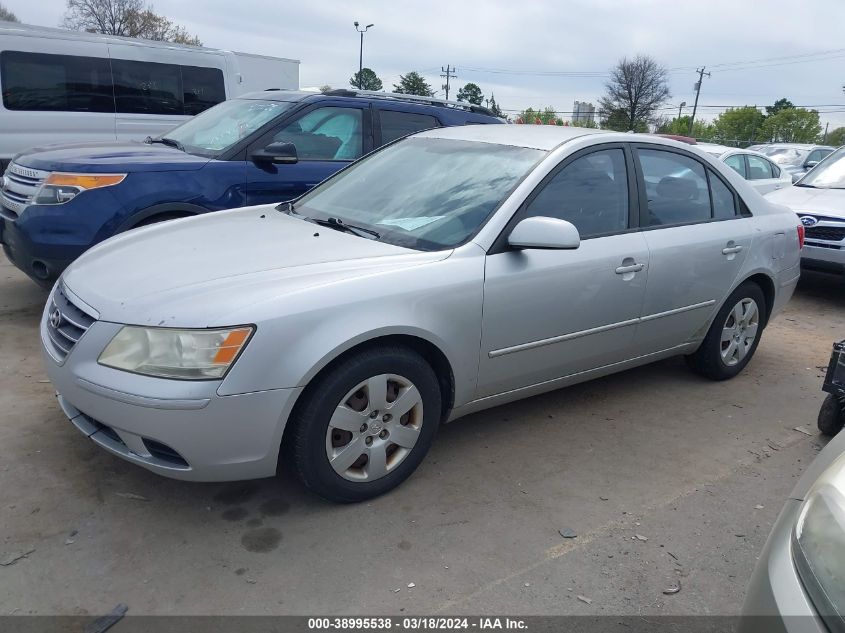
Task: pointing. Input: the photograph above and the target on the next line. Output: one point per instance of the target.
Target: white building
(583, 112)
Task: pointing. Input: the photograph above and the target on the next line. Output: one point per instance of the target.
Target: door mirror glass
(277, 152)
(542, 232)
(811, 163)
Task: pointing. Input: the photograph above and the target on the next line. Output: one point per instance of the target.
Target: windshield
(830, 173)
(786, 155)
(219, 128)
(423, 193)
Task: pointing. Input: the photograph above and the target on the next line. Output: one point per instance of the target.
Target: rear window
(64, 83)
(398, 124)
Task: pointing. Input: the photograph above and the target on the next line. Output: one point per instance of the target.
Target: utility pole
(449, 74)
(826, 125)
(361, 50)
(697, 87)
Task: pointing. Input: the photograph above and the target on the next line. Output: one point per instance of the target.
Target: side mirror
(278, 152)
(548, 233)
(811, 163)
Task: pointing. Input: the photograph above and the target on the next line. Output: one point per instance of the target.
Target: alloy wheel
(739, 331)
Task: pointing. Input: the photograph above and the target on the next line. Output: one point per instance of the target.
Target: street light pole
(361, 50)
(680, 107)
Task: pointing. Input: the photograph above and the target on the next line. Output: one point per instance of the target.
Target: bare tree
(7, 16)
(128, 18)
(636, 89)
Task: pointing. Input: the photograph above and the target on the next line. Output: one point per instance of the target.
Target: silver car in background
(449, 272)
(759, 171)
(796, 159)
(819, 200)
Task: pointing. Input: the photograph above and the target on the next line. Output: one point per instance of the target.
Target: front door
(327, 138)
(553, 313)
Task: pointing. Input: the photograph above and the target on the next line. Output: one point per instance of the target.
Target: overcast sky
(531, 44)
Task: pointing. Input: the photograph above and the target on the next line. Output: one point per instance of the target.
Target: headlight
(170, 353)
(818, 545)
(60, 187)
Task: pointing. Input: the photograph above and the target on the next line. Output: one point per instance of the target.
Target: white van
(62, 86)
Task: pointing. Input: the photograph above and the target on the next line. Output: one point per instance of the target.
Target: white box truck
(61, 86)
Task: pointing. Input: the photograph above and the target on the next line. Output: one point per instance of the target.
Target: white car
(819, 200)
(760, 172)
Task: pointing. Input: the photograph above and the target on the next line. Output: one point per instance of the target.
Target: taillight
(801, 236)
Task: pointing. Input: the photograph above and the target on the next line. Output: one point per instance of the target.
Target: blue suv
(271, 146)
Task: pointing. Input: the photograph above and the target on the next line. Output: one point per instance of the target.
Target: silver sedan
(449, 272)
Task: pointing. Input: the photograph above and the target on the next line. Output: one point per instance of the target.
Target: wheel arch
(173, 209)
(431, 352)
(767, 285)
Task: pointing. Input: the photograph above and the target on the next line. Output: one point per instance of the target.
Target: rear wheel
(733, 336)
(831, 415)
(366, 425)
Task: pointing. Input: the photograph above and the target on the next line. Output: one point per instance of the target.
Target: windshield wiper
(170, 142)
(799, 184)
(339, 225)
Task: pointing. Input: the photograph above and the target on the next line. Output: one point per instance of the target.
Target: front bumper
(27, 256)
(776, 601)
(179, 429)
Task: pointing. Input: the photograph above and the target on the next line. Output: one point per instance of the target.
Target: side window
(326, 134)
(736, 163)
(775, 169)
(398, 124)
(591, 192)
(201, 88)
(758, 168)
(724, 203)
(676, 188)
(56, 83)
(147, 88)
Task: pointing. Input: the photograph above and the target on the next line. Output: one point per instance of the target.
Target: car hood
(205, 271)
(829, 202)
(109, 157)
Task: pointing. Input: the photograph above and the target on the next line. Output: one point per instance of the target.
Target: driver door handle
(730, 250)
(630, 268)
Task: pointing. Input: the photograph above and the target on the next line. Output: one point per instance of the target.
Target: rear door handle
(730, 250)
(631, 268)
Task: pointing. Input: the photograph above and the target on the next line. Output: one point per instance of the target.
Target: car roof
(799, 146)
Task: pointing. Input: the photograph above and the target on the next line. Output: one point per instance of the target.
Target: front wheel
(733, 336)
(366, 424)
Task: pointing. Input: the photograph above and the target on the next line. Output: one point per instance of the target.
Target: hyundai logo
(56, 319)
(809, 220)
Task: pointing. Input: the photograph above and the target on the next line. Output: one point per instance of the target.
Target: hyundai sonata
(449, 272)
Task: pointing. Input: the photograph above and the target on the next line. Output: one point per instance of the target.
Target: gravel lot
(698, 470)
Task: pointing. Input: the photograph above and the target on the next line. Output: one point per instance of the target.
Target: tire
(341, 447)
(831, 416)
(720, 360)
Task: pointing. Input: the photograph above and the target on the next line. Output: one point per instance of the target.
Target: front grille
(20, 184)
(829, 233)
(66, 323)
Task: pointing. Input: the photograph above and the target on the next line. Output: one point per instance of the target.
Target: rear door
(697, 240)
(327, 136)
(764, 175)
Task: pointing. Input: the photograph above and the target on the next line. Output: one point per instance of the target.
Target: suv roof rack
(395, 96)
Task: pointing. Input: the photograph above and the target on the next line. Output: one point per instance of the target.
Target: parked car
(759, 171)
(799, 581)
(59, 201)
(796, 158)
(819, 200)
(454, 270)
(63, 86)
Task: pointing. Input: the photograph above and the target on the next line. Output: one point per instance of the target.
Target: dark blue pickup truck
(271, 146)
